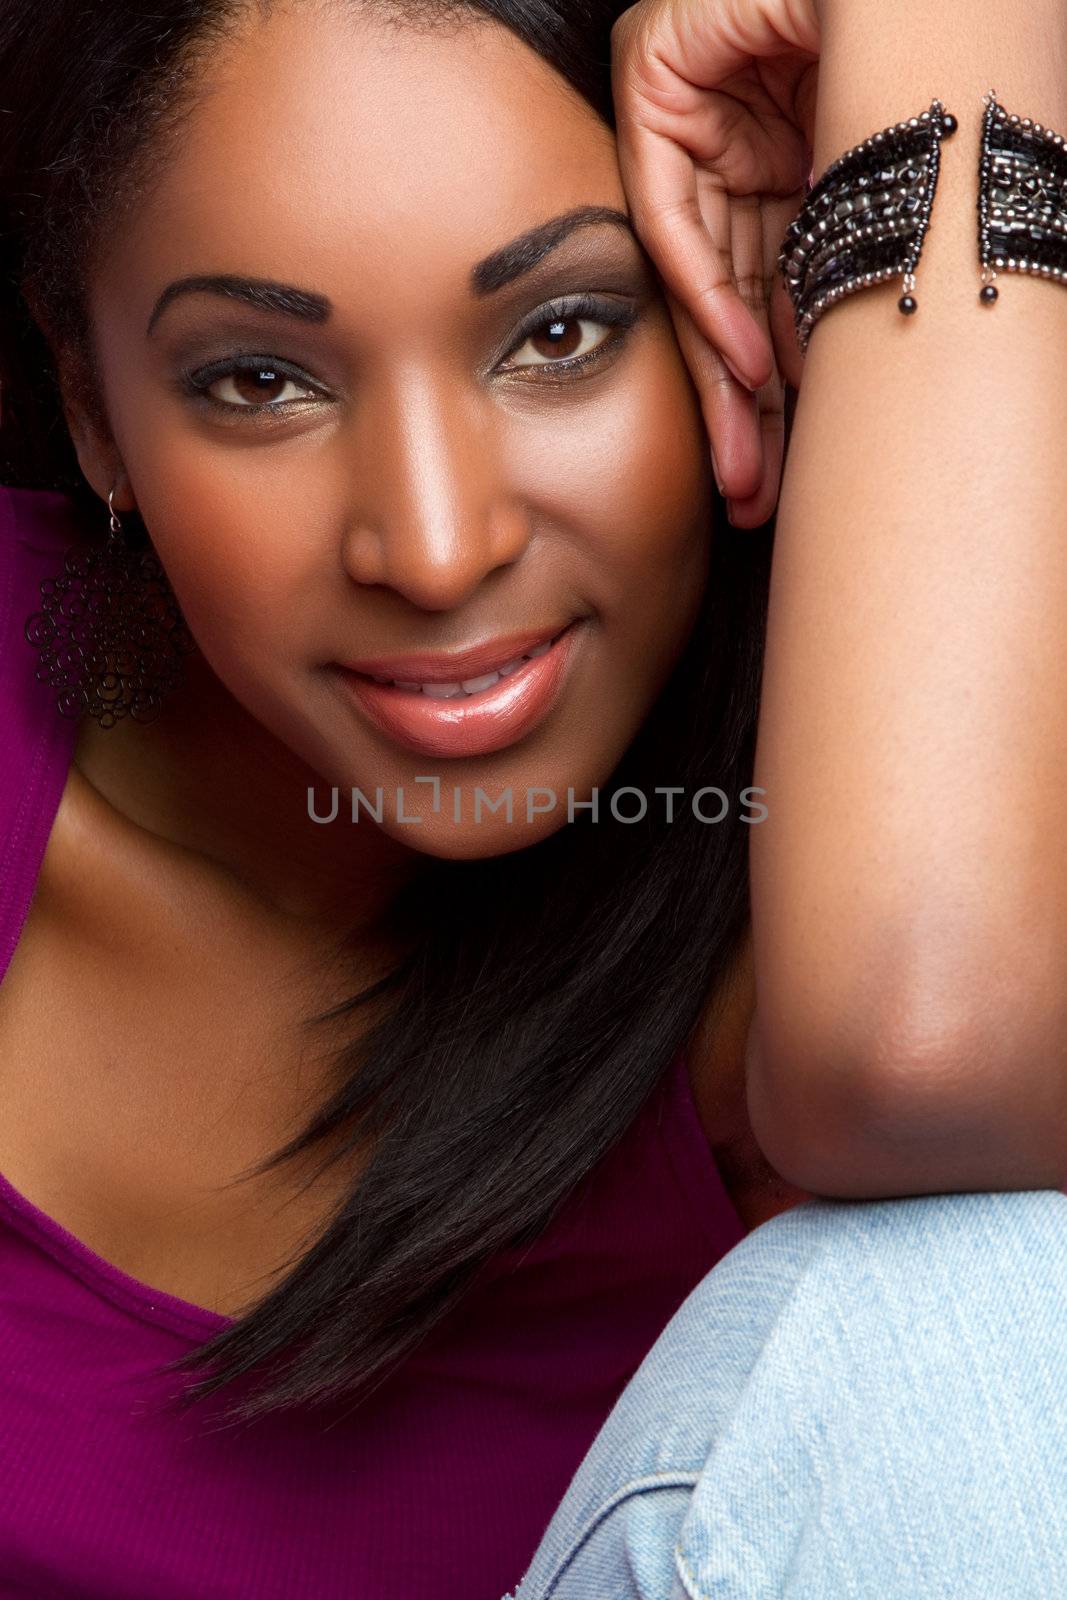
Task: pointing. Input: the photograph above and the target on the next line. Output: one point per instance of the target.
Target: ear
(83, 407)
(85, 416)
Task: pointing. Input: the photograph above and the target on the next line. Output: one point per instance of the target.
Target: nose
(434, 512)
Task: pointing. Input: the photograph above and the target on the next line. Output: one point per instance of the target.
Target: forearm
(910, 887)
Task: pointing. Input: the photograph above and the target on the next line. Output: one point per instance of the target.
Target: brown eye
(258, 386)
(559, 340)
(262, 385)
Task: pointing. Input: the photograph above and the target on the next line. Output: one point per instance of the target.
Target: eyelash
(613, 314)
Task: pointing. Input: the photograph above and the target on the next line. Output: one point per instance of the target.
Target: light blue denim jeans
(865, 1400)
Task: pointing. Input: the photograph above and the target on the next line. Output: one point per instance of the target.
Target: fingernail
(742, 380)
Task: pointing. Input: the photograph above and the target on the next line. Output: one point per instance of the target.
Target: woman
(489, 432)
(473, 1195)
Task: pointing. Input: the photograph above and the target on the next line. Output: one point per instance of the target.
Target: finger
(731, 418)
(747, 251)
(660, 160)
(661, 183)
(763, 291)
(666, 63)
(729, 411)
(758, 508)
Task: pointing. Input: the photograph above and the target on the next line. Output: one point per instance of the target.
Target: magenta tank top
(440, 1486)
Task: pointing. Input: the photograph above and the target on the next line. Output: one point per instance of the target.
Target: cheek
(656, 486)
(239, 557)
(630, 473)
(232, 526)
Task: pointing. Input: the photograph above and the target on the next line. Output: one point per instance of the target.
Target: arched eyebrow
(513, 260)
(504, 266)
(262, 293)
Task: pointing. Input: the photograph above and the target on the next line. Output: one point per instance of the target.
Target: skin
(436, 501)
(909, 903)
(428, 495)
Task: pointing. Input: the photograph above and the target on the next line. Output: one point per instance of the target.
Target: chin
(466, 841)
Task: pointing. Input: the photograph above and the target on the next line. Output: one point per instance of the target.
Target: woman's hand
(715, 102)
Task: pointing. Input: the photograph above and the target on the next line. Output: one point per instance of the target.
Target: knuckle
(663, 218)
(714, 375)
(755, 289)
(631, 49)
(711, 293)
(719, 383)
(622, 29)
(668, 210)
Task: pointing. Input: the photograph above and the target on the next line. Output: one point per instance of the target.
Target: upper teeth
(449, 691)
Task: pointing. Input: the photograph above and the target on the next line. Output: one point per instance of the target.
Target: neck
(209, 778)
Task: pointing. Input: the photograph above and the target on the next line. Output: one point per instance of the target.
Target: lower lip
(471, 725)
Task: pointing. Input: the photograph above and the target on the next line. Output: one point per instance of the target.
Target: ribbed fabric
(438, 1488)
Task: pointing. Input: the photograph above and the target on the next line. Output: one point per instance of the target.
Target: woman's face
(453, 422)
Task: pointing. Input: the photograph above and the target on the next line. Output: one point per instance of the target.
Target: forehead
(324, 141)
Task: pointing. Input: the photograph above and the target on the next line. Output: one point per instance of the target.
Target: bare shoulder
(716, 1058)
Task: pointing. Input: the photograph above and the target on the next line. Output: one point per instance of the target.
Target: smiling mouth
(467, 688)
(472, 717)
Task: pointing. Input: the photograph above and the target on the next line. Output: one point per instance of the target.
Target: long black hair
(542, 993)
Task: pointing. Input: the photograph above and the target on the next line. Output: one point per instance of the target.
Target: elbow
(905, 1101)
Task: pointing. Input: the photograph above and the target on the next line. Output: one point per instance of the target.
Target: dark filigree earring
(110, 632)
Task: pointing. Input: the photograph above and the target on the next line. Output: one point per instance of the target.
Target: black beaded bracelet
(1022, 198)
(866, 219)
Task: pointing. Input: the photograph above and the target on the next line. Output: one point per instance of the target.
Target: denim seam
(665, 1480)
(660, 1480)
